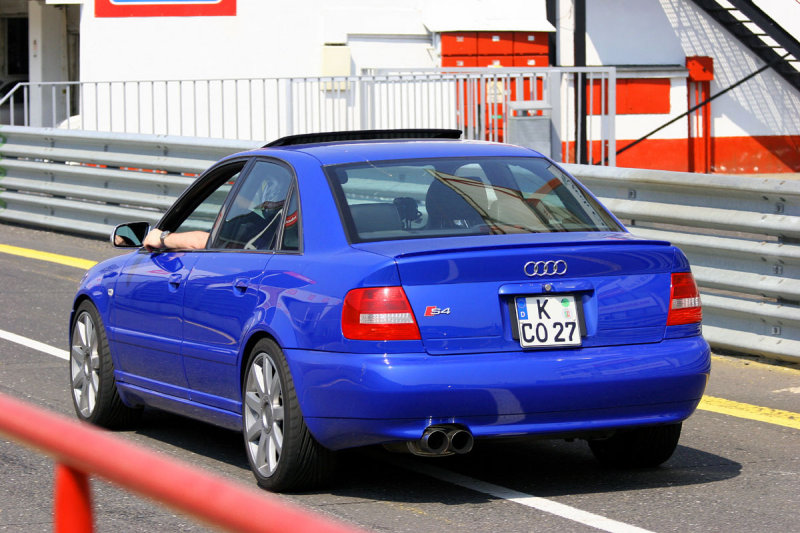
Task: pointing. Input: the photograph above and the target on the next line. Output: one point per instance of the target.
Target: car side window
(205, 214)
(253, 219)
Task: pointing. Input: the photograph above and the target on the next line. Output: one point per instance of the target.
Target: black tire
(638, 448)
(282, 453)
(91, 374)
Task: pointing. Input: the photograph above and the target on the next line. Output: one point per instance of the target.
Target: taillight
(378, 314)
(684, 300)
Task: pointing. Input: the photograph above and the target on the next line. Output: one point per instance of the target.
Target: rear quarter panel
(304, 293)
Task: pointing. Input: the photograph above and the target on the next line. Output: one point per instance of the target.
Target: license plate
(548, 321)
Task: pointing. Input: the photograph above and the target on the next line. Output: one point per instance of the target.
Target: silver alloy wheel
(264, 414)
(85, 364)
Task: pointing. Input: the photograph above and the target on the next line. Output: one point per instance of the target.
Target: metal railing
(741, 234)
(534, 107)
(79, 450)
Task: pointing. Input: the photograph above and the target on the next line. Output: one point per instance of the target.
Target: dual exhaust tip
(442, 440)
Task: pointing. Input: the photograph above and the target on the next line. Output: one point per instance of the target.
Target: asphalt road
(730, 473)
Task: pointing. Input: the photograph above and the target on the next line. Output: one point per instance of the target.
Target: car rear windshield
(461, 196)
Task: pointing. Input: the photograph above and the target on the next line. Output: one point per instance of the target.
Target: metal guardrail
(74, 180)
(742, 235)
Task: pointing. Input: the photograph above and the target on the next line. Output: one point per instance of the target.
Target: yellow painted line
(708, 403)
(76, 262)
(777, 417)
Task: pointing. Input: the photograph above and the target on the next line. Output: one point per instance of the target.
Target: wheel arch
(77, 303)
(254, 338)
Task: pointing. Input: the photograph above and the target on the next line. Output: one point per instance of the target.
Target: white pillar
(47, 50)
(565, 33)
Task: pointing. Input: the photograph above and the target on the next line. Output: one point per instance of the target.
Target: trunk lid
(463, 291)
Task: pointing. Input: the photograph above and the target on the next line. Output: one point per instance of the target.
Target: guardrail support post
(72, 505)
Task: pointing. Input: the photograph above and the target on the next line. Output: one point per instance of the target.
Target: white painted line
(36, 345)
(542, 504)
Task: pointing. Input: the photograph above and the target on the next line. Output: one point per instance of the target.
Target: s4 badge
(433, 310)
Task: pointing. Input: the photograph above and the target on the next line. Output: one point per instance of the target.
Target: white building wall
(265, 39)
(637, 33)
(630, 32)
(254, 44)
(268, 39)
(665, 32)
(764, 105)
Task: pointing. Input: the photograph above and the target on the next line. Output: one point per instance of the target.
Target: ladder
(760, 33)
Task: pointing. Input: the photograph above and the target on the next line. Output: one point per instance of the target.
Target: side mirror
(130, 235)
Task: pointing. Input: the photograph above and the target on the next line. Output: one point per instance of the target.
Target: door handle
(240, 285)
(175, 280)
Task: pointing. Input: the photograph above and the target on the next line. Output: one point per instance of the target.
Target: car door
(146, 319)
(223, 298)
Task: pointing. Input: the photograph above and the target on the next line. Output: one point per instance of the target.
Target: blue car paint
(146, 322)
(355, 393)
(396, 396)
(220, 303)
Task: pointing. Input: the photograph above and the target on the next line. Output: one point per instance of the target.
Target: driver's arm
(191, 240)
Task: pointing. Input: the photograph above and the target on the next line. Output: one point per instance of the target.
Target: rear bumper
(355, 399)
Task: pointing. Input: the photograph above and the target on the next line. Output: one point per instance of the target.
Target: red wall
(635, 96)
(729, 155)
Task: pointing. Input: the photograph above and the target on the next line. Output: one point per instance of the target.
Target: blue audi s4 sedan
(401, 287)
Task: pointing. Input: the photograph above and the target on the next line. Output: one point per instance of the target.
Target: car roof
(363, 135)
(351, 151)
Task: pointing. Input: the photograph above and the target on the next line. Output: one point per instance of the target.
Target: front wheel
(282, 453)
(638, 448)
(94, 389)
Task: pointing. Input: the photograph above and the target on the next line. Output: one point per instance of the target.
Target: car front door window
(252, 222)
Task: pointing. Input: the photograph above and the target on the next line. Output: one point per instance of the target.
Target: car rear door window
(254, 216)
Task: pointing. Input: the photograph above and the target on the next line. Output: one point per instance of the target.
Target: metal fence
(741, 234)
(533, 107)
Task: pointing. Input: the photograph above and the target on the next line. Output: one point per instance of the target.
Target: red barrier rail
(80, 449)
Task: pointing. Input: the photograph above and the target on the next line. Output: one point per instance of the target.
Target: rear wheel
(283, 454)
(638, 448)
(94, 389)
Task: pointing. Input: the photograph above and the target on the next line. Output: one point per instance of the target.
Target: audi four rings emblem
(545, 268)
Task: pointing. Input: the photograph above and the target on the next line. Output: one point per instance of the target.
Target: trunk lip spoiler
(386, 249)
